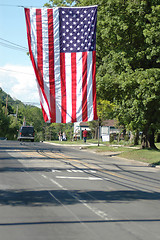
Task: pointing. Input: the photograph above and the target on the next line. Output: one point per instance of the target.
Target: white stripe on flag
(34, 52)
(43, 102)
(72, 92)
(89, 87)
(33, 33)
(79, 86)
(45, 54)
(57, 64)
(68, 86)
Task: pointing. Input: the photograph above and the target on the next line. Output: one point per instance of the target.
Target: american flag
(62, 47)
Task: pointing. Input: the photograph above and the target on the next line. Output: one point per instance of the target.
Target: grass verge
(150, 156)
(144, 155)
(135, 153)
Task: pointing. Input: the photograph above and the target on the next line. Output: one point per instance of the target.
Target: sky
(17, 77)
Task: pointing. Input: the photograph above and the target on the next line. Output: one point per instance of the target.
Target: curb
(107, 154)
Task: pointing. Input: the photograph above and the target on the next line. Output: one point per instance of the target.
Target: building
(108, 128)
(79, 127)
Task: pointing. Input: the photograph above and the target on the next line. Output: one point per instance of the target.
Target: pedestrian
(60, 136)
(64, 136)
(85, 135)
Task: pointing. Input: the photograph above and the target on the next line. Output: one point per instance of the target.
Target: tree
(4, 122)
(104, 111)
(59, 3)
(139, 106)
(128, 47)
(13, 128)
(152, 34)
(16, 113)
(129, 74)
(62, 127)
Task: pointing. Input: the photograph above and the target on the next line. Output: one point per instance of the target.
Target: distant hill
(18, 112)
(11, 101)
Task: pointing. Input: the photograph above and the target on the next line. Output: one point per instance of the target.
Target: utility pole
(98, 130)
(24, 121)
(6, 106)
(17, 114)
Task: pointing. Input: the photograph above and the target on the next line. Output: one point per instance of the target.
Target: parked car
(3, 138)
(26, 133)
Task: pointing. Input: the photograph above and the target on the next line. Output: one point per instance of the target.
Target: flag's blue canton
(78, 29)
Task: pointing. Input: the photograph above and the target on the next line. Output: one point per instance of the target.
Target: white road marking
(75, 171)
(56, 183)
(80, 178)
(96, 211)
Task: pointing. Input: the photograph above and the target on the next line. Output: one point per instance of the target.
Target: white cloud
(19, 82)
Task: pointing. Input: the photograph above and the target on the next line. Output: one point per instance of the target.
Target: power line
(18, 6)
(9, 5)
(12, 45)
(32, 103)
(9, 70)
(24, 102)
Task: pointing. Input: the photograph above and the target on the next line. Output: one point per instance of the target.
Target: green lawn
(135, 153)
(144, 155)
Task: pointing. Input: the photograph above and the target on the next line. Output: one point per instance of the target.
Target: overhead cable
(18, 6)
(9, 70)
(15, 44)
(12, 45)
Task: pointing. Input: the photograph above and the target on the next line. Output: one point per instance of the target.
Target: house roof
(107, 123)
(110, 123)
(84, 124)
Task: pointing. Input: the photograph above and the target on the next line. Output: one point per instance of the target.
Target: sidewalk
(107, 153)
(84, 147)
(74, 145)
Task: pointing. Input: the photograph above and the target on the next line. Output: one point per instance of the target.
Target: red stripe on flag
(28, 23)
(39, 45)
(38, 76)
(63, 87)
(74, 85)
(51, 65)
(95, 117)
(84, 87)
(44, 114)
(56, 93)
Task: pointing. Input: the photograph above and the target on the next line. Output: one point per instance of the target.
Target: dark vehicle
(26, 133)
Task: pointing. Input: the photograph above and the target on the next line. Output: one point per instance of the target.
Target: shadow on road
(75, 222)
(65, 197)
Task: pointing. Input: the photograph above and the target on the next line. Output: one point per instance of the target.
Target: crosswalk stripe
(75, 171)
(80, 178)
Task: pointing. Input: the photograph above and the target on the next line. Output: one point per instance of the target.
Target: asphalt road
(56, 192)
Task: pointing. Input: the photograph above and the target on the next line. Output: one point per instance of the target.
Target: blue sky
(16, 73)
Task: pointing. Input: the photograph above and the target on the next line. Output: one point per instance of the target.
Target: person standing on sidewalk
(85, 135)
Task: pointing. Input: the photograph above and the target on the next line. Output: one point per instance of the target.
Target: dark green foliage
(128, 57)
(4, 122)
(16, 114)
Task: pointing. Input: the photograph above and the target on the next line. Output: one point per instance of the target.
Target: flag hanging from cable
(62, 47)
